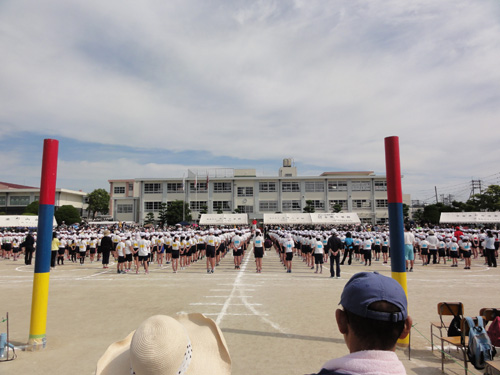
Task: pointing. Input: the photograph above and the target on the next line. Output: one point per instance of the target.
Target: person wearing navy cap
(373, 317)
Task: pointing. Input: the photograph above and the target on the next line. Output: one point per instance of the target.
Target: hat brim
(210, 352)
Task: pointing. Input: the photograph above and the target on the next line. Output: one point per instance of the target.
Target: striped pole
(396, 219)
(39, 302)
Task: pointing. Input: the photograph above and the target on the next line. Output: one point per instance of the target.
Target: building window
(382, 220)
(381, 203)
(361, 185)
(267, 187)
(175, 187)
(222, 187)
(153, 188)
(381, 185)
(290, 186)
(245, 209)
(315, 186)
(198, 205)
(131, 187)
(20, 200)
(291, 206)
(337, 186)
(360, 204)
(341, 202)
(124, 208)
(2, 200)
(268, 206)
(152, 206)
(245, 192)
(317, 204)
(119, 190)
(201, 187)
(221, 206)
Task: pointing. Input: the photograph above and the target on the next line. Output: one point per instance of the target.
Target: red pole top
(49, 171)
(393, 170)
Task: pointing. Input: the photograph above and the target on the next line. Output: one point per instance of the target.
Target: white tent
(297, 218)
(314, 218)
(21, 221)
(335, 218)
(224, 219)
(469, 218)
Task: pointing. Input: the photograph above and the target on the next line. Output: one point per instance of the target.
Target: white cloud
(323, 82)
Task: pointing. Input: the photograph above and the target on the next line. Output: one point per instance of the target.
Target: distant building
(14, 198)
(241, 190)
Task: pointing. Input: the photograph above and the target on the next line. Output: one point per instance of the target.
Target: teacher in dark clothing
(334, 247)
(29, 248)
(106, 247)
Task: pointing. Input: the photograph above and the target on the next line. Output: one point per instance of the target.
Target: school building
(14, 198)
(227, 190)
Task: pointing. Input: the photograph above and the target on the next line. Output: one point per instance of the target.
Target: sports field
(273, 322)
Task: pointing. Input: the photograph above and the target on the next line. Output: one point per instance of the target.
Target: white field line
(236, 285)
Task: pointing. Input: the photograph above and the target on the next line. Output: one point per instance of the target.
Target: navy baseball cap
(364, 288)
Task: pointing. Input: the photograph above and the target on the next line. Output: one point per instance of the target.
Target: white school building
(229, 190)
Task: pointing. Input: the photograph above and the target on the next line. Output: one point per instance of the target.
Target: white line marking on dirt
(236, 285)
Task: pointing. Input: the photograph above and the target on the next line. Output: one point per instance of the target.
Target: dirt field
(273, 322)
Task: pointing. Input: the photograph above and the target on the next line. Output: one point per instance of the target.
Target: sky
(152, 88)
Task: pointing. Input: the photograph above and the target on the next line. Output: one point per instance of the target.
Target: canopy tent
(313, 218)
(469, 218)
(28, 221)
(335, 218)
(224, 219)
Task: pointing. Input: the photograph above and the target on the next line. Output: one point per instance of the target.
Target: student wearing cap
(433, 242)
(258, 250)
(373, 317)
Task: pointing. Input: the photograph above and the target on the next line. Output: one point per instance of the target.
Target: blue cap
(364, 288)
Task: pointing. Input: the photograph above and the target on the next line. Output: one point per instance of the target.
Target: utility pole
(475, 184)
(436, 190)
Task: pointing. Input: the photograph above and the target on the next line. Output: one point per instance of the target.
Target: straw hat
(190, 344)
(107, 232)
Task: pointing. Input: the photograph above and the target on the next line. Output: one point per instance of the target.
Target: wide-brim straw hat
(190, 344)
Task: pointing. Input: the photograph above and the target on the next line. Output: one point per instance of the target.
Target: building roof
(8, 185)
(355, 173)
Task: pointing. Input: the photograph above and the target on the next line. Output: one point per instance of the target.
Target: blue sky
(151, 89)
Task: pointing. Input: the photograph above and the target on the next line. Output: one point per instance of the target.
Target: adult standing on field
(334, 245)
(409, 240)
(106, 248)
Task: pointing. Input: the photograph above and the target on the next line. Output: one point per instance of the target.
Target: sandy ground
(273, 322)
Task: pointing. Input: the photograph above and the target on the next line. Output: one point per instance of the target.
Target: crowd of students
(178, 247)
(135, 249)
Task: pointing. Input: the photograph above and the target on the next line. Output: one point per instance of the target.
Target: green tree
(204, 209)
(406, 211)
(418, 215)
(149, 219)
(162, 214)
(337, 208)
(487, 201)
(67, 214)
(98, 202)
(32, 208)
(309, 208)
(175, 212)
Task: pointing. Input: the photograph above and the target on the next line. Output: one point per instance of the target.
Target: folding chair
(445, 309)
(460, 342)
(489, 314)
